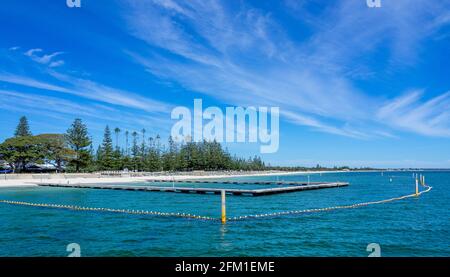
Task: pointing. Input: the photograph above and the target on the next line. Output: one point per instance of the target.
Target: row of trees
(74, 152)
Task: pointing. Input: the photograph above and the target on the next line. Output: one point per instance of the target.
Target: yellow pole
(224, 213)
(417, 187)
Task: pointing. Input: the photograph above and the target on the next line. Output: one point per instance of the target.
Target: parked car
(5, 167)
(33, 167)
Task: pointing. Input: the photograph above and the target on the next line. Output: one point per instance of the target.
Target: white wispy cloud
(30, 82)
(45, 58)
(63, 109)
(56, 63)
(105, 102)
(221, 68)
(31, 52)
(408, 112)
(90, 90)
(300, 119)
(352, 31)
(96, 91)
(244, 57)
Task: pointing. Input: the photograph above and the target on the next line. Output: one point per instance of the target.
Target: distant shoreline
(32, 180)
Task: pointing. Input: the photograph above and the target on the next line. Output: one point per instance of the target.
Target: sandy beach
(30, 180)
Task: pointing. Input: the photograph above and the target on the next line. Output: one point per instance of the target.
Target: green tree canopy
(56, 150)
(75, 149)
(19, 151)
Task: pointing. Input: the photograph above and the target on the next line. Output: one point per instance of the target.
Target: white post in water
(224, 213)
(308, 179)
(417, 187)
(423, 180)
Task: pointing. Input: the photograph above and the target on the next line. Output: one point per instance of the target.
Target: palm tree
(117, 131)
(134, 148)
(126, 142)
(143, 142)
(158, 144)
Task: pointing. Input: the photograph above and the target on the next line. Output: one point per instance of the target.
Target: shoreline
(36, 179)
(32, 180)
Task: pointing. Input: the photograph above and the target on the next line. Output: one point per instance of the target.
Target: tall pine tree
(22, 129)
(107, 157)
(78, 140)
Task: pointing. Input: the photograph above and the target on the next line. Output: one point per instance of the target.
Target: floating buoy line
(353, 206)
(125, 211)
(236, 218)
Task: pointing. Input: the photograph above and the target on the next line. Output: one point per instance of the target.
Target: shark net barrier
(209, 218)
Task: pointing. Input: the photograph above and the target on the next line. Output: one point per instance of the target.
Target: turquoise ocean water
(411, 227)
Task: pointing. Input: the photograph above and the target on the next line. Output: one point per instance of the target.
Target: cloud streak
(67, 110)
(244, 57)
(247, 56)
(408, 112)
(91, 90)
(46, 59)
(220, 68)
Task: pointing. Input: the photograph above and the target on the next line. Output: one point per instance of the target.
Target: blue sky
(355, 85)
